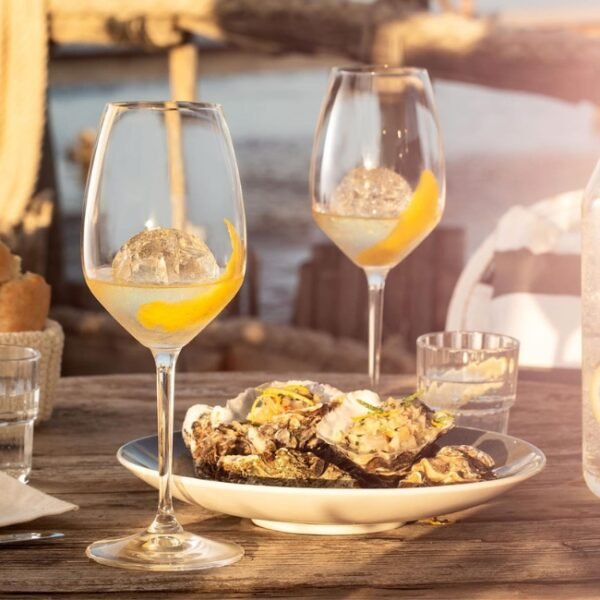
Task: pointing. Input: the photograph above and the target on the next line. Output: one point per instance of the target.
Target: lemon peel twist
(418, 219)
(199, 311)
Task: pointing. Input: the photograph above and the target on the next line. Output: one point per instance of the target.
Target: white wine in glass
(164, 251)
(377, 174)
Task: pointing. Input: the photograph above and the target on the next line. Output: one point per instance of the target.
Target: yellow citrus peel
(270, 402)
(420, 216)
(213, 297)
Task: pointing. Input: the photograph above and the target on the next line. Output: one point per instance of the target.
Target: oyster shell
(299, 468)
(378, 441)
(209, 439)
(451, 464)
(259, 421)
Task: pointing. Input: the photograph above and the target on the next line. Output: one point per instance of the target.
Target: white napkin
(20, 502)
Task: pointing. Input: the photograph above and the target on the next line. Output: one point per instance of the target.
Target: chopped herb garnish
(370, 407)
(411, 398)
(442, 418)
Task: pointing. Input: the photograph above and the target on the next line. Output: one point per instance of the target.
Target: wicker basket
(49, 343)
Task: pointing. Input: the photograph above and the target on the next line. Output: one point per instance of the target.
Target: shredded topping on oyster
(394, 426)
(274, 401)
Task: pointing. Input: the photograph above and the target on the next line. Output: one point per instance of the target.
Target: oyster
(248, 434)
(299, 468)
(451, 464)
(209, 438)
(377, 441)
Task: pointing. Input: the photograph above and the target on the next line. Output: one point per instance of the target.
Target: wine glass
(163, 250)
(377, 174)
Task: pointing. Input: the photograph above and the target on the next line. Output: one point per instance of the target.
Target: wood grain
(540, 540)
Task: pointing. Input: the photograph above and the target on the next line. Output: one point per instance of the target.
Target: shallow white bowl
(334, 510)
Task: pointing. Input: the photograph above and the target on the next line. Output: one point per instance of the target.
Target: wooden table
(540, 540)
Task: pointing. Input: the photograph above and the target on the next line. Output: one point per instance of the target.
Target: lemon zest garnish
(176, 316)
(289, 393)
(261, 401)
(420, 216)
(272, 398)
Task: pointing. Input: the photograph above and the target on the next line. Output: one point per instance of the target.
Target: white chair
(540, 243)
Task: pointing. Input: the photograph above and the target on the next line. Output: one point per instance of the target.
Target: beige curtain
(23, 75)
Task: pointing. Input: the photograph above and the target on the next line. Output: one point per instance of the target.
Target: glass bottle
(590, 325)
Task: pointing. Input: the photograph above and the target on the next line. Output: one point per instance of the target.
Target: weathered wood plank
(303, 299)
(449, 256)
(352, 287)
(421, 301)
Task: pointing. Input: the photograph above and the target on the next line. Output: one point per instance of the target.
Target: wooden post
(183, 67)
(182, 78)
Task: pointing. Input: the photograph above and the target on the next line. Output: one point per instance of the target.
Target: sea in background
(502, 148)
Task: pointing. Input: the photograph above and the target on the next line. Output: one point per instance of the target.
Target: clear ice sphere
(378, 192)
(164, 256)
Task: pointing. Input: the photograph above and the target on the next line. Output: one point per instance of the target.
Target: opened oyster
(310, 434)
(285, 468)
(378, 441)
(262, 434)
(451, 464)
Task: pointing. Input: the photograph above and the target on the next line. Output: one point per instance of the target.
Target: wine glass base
(166, 552)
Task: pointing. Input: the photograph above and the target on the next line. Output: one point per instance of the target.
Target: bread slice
(24, 303)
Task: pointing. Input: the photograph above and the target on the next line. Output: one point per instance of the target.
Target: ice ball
(376, 193)
(164, 256)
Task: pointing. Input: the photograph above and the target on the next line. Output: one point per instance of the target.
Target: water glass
(473, 374)
(19, 398)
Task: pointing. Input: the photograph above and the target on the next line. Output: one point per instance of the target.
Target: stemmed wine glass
(163, 250)
(377, 174)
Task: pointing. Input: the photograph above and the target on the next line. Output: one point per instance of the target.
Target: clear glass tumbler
(19, 398)
(470, 373)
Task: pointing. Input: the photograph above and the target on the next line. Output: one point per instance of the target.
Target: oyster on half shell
(286, 468)
(451, 464)
(261, 434)
(378, 441)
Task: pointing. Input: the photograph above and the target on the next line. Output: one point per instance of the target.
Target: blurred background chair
(524, 280)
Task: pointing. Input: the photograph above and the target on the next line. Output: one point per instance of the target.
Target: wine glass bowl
(163, 250)
(377, 174)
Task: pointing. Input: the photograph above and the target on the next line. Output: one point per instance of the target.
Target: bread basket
(49, 342)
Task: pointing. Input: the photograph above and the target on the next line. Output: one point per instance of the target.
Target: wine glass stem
(165, 521)
(376, 281)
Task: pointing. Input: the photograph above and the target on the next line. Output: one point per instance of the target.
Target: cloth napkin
(20, 502)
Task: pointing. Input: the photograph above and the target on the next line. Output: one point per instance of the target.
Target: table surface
(542, 539)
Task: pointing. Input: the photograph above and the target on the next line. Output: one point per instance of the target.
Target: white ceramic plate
(340, 511)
